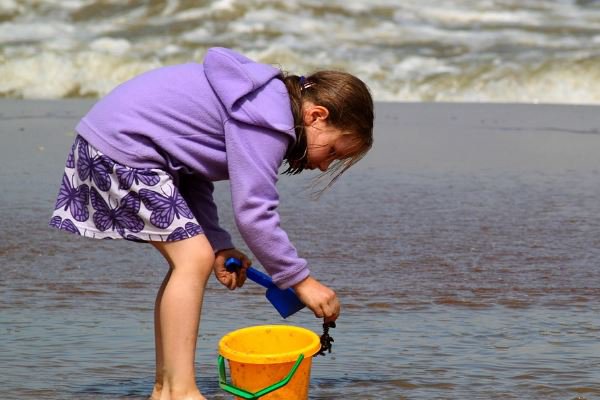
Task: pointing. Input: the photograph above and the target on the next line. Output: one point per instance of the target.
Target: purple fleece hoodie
(228, 118)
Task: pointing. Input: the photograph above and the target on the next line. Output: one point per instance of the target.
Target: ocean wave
(444, 50)
(95, 72)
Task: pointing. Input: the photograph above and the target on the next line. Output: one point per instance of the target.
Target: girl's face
(325, 145)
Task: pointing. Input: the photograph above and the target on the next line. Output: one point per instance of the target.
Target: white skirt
(102, 199)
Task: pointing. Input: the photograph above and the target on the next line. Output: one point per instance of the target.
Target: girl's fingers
(241, 278)
(320, 311)
(227, 281)
(332, 310)
(241, 273)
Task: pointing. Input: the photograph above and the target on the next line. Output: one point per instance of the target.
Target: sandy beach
(465, 248)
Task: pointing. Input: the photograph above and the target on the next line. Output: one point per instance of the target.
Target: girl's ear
(313, 113)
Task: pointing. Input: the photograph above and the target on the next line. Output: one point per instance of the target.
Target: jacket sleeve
(198, 193)
(254, 156)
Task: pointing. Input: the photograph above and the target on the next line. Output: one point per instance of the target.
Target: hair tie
(305, 83)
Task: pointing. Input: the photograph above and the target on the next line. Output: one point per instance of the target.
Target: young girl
(143, 165)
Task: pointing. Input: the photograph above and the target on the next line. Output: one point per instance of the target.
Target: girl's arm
(198, 193)
(254, 156)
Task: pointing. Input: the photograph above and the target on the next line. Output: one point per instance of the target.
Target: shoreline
(415, 137)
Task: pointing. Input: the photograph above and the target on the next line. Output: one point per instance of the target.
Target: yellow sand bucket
(268, 362)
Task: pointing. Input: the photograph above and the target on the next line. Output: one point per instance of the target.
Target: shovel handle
(232, 264)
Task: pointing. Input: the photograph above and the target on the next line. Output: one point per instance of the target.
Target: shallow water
(465, 249)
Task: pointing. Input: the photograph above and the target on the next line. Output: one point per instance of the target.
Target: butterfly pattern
(73, 198)
(122, 217)
(97, 168)
(71, 156)
(165, 208)
(128, 176)
(102, 199)
(64, 224)
(190, 229)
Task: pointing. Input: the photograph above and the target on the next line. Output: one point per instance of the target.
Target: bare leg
(158, 380)
(177, 316)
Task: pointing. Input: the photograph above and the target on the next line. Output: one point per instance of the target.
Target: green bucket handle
(244, 394)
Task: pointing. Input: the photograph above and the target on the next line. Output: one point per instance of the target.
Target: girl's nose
(324, 165)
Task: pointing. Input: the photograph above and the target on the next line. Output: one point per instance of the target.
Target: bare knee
(193, 255)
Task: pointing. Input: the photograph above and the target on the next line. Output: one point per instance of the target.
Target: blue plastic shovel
(285, 301)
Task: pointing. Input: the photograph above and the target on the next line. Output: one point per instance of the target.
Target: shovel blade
(286, 302)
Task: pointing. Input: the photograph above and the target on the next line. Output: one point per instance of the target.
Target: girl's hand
(319, 298)
(231, 280)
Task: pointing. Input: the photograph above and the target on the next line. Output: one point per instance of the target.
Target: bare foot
(158, 394)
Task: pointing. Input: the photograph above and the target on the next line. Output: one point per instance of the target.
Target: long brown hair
(350, 107)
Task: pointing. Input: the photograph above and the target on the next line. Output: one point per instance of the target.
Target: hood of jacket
(251, 92)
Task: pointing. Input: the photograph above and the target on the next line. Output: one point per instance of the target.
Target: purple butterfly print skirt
(102, 199)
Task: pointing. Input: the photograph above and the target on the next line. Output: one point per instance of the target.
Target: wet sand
(465, 248)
